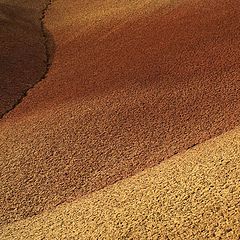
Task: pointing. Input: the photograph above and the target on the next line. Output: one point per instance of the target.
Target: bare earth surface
(22, 49)
(132, 83)
(193, 195)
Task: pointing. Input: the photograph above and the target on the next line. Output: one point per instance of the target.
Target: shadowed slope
(194, 195)
(23, 50)
(133, 82)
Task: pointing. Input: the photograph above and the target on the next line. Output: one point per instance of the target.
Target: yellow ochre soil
(132, 83)
(193, 195)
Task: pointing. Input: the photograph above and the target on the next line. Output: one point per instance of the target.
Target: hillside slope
(132, 83)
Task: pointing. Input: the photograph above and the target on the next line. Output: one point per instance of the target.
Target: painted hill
(132, 83)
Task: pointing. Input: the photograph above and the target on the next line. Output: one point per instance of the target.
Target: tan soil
(194, 195)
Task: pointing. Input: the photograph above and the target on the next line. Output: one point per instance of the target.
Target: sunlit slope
(132, 83)
(193, 195)
(22, 49)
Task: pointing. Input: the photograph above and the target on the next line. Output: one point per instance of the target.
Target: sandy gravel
(132, 83)
(193, 195)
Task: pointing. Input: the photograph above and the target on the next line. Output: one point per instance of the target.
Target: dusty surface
(194, 195)
(132, 83)
(22, 50)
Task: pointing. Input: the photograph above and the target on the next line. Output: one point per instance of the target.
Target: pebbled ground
(193, 195)
(132, 83)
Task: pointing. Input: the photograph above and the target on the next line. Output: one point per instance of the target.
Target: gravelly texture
(132, 83)
(23, 60)
(194, 195)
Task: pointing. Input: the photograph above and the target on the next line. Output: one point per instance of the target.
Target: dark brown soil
(23, 60)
